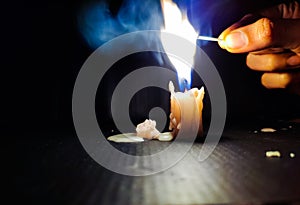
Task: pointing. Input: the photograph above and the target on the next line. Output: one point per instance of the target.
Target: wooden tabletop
(53, 168)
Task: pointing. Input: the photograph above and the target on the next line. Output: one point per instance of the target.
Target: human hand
(272, 38)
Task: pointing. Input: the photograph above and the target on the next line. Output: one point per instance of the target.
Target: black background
(42, 53)
(43, 50)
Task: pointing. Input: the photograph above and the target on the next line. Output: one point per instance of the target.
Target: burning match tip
(207, 38)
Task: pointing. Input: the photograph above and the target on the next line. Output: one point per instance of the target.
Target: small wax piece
(147, 130)
(273, 154)
(127, 137)
(267, 129)
(166, 136)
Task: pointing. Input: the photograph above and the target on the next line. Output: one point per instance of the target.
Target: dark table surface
(53, 168)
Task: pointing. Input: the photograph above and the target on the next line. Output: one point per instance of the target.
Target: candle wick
(185, 85)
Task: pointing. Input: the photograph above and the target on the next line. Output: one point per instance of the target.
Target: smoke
(207, 16)
(98, 24)
(200, 14)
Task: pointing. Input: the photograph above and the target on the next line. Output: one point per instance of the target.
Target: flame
(176, 22)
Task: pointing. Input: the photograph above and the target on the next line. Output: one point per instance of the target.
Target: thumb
(262, 34)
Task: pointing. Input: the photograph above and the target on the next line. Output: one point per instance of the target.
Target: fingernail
(236, 40)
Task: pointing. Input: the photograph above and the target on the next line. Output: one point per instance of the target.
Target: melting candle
(186, 107)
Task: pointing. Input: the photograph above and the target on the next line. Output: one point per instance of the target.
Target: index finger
(282, 11)
(262, 34)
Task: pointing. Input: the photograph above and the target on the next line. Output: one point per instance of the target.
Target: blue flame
(183, 84)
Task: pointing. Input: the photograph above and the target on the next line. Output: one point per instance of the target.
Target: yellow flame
(176, 22)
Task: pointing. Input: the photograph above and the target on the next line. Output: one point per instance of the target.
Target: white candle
(189, 104)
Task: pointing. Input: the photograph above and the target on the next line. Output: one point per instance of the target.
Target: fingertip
(222, 43)
(234, 41)
(267, 80)
(222, 36)
(275, 80)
